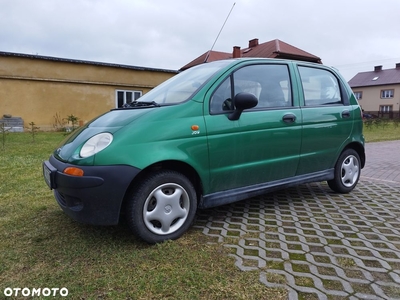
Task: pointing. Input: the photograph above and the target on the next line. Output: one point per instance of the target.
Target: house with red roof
(378, 91)
(272, 49)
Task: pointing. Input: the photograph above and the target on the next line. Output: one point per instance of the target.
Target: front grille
(72, 203)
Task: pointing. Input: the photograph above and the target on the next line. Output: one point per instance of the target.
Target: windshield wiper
(140, 104)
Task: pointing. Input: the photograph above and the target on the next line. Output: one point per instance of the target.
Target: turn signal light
(73, 171)
(195, 127)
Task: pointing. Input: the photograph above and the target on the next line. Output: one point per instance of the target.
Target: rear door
(327, 119)
(264, 144)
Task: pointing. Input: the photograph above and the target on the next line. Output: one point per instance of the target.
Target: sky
(350, 35)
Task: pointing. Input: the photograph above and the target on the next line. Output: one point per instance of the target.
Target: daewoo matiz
(217, 133)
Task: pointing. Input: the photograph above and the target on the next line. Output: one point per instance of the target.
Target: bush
(68, 124)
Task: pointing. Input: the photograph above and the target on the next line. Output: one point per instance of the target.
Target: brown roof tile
(207, 57)
(278, 49)
(272, 49)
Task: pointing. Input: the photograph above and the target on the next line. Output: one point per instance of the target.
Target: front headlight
(96, 144)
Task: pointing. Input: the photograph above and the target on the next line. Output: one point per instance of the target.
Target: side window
(269, 83)
(221, 100)
(320, 87)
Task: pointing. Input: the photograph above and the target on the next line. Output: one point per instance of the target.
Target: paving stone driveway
(318, 244)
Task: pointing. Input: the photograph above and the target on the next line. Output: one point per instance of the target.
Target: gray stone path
(316, 243)
(383, 162)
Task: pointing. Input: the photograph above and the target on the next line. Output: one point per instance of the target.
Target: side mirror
(241, 102)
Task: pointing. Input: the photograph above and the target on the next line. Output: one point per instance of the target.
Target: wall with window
(37, 88)
(381, 101)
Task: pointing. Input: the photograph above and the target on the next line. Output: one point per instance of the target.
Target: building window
(123, 97)
(358, 95)
(387, 94)
(385, 108)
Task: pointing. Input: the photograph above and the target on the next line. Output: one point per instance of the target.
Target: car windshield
(182, 86)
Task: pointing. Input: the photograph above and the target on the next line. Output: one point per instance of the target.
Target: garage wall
(37, 88)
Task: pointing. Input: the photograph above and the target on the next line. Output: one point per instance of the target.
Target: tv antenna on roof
(212, 47)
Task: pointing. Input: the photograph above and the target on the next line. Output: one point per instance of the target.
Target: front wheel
(162, 207)
(347, 172)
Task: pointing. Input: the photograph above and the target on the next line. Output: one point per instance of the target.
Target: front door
(264, 143)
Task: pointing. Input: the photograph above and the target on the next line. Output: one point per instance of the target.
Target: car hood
(112, 121)
(119, 117)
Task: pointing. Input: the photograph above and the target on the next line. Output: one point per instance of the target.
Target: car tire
(347, 172)
(162, 206)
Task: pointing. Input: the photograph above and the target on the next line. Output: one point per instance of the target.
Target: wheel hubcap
(166, 208)
(350, 171)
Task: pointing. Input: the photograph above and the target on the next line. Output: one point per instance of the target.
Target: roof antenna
(212, 47)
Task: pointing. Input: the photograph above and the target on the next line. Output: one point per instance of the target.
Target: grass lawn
(42, 248)
(382, 130)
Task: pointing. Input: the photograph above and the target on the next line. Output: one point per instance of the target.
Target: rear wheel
(347, 172)
(162, 207)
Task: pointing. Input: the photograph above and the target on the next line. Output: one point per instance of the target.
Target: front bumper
(94, 198)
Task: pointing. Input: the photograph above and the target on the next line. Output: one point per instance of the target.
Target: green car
(217, 133)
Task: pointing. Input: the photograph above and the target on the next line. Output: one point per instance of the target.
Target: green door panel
(327, 119)
(259, 147)
(325, 130)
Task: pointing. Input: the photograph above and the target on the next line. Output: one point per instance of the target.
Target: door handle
(346, 114)
(289, 118)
